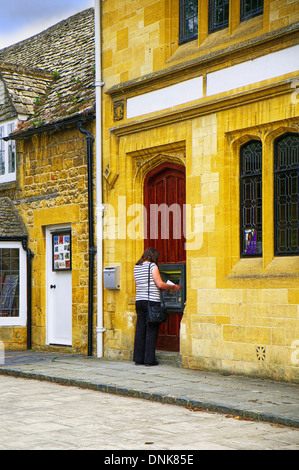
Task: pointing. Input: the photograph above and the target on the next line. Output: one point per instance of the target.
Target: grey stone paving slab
(248, 397)
(36, 414)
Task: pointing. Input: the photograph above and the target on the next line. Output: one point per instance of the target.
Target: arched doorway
(164, 200)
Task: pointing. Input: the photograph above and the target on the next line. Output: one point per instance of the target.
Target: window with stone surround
(188, 20)
(286, 194)
(218, 15)
(251, 198)
(221, 14)
(251, 8)
(285, 179)
(7, 153)
(12, 284)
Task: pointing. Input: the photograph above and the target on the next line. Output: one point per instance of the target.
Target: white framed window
(13, 284)
(7, 153)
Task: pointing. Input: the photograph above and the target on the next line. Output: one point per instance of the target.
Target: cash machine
(175, 273)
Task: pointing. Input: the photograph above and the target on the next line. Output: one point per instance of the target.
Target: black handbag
(156, 311)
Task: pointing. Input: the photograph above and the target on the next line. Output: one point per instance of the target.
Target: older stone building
(200, 113)
(47, 109)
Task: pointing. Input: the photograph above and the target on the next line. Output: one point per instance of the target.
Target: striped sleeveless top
(141, 279)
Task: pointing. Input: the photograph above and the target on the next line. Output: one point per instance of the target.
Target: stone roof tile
(25, 86)
(11, 222)
(65, 53)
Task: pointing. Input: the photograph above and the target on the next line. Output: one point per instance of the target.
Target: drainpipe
(99, 202)
(30, 255)
(92, 250)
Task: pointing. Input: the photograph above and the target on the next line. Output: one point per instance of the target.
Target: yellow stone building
(200, 113)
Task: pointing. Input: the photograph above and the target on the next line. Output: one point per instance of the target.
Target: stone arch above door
(144, 160)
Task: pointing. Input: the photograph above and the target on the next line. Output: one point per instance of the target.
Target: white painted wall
(253, 71)
(167, 97)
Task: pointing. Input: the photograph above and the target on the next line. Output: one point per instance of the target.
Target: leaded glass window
(251, 8)
(251, 198)
(286, 191)
(218, 14)
(188, 20)
(9, 282)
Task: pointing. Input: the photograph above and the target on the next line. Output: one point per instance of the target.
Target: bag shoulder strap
(148, 287)
(162, 300)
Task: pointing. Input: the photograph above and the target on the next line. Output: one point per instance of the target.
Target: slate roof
(51, 75)
(11, 222)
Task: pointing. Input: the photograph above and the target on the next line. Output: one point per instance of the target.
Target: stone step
(170, 358)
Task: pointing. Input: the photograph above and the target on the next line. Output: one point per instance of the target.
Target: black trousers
(146, 336)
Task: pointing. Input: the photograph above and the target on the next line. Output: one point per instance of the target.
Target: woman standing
(146, 334)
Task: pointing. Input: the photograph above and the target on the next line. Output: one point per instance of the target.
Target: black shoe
(139, 363)
(156, 363)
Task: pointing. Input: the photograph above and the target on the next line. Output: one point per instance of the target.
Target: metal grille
(286, 190)
(251, 8)
(9, 282)
(218, 14)
(251, 198)
(188, 20)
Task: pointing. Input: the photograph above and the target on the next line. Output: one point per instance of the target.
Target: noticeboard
(62, 250)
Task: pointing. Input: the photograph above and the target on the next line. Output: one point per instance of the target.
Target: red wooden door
(164, 197)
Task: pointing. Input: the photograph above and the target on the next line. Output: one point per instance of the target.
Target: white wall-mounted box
(111, 276)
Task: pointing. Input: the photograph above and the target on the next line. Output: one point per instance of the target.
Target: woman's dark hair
(150, 254)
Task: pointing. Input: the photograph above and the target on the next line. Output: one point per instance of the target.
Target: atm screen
(175, 301)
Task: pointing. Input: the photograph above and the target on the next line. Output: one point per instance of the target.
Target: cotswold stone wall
(52, 189)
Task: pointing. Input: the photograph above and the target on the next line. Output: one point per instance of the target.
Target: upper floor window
(218, 15)
(188, 20)
(251, 198)
(7, 153)
(286, 195)
(251, 8)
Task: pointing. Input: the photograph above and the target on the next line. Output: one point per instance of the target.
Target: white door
(59, 285)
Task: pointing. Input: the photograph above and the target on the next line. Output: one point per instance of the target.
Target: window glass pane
(286, 189)
(218, 14)
(2, 152)
(188, 20)
(11, 157)
(9, 282)
(251, 8)
(11, 151)
(251, 198)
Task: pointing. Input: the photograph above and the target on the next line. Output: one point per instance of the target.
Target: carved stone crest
(118, 110)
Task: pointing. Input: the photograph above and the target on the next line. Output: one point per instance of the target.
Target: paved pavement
(256, 399)
(41, 415)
